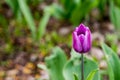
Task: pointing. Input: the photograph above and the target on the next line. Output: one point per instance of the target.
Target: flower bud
(82, 39)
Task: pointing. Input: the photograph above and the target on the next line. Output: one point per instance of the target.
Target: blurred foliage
(13, 5)
(112, 59)
(27, 14)
(112, 40)
(102, 4)
(24, 25)
(53, 40)
(82, 10)
(55, 64)
(74, 11)
(4, 33)
(67, 10)
(21, 6)
(114, 15)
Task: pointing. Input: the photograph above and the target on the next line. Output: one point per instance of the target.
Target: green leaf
(68, 6)
(57, 11)
(75, 77)
(117, 2)
(102, 4)
(91, 74)
(52, 10)
(28, 16)
(42, 66)
(43, 23)
(82, 10)
(55, 64)
(113, 62)
(114, 15)
(74, 64)
(13, 5)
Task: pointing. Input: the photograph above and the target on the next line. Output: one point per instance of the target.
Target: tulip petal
(81, 39)
(87, 41)
(76, 43)
(81, 29)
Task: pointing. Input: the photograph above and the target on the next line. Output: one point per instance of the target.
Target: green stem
(82, 67)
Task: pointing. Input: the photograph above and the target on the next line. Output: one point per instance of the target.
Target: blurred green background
(30, 29)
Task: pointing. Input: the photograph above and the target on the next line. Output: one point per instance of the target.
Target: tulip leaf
(57, 11)
(69, 6)
(42, 66)
(55, 64)
(113, 62)
(52, 10)
(91, 74)
(43, 23)
(75, 77)
(82, 10)
(28, 16)
(74, 64)
(13, 5)
(101, 6)
(114, 15)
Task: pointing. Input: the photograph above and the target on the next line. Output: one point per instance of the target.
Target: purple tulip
(82, 39)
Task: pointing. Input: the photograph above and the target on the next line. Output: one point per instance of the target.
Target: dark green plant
(76, 10)
(81, 10)
(114, 15)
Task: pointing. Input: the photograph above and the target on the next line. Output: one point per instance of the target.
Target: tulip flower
(82, 39)
(82, 43)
